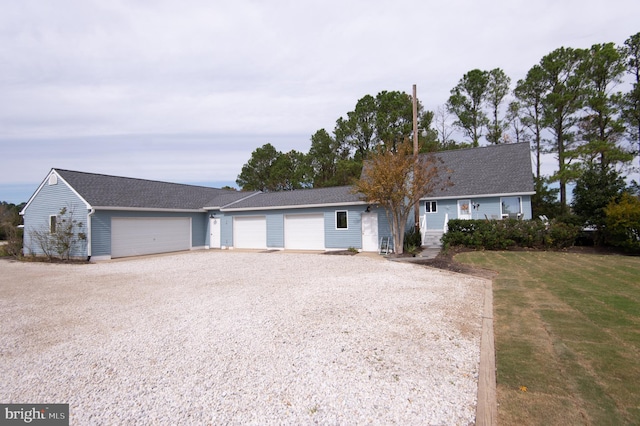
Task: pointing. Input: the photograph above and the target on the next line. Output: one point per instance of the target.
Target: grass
(567, 337)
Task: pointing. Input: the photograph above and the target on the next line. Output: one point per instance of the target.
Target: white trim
(335, 217)
(460, 197)
(301, 206)
(520, 213)
(46, 180)
(431, 211)
(145, 209)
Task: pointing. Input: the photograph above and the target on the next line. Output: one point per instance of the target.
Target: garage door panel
(250, 232)
(304, 231)
(139, 236)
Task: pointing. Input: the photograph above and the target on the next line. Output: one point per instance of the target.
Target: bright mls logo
(36, 414)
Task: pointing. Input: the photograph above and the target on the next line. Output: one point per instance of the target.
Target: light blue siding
(489, 208)
(334, 238)
(49, 201)
(226, 231)
(275, 230)
(101, 227)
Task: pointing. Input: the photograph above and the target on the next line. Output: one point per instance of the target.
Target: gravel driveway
(224, 337)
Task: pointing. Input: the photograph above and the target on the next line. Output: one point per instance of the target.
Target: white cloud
(87, 69)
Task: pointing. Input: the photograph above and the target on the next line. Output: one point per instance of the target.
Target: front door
(464, 209)
(214, 232)
(369, 231)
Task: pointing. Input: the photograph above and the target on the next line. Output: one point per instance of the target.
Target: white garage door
(250, 232)
(304, 231)
(134, 237)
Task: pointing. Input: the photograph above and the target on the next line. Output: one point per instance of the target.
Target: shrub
(412, 241)
(623, 223)
(509, 233)
(13, 247)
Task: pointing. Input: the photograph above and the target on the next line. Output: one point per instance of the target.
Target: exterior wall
(490, 208)
(334, 238)
(101, 228)
(49, 200)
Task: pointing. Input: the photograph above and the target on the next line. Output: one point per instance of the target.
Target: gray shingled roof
(301, 197)
(490, 170)
(495, 169)
(114, 191)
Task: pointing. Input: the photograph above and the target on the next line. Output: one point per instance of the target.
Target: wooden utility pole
(416, 212)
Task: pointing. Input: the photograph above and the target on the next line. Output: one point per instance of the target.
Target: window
(511, 207)
(342, 220)
(52, 224)
(53, 179)
(431, 207)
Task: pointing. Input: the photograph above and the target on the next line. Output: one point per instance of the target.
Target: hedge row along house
(121, 216)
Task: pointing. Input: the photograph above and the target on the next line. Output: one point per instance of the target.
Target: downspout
(91, 212)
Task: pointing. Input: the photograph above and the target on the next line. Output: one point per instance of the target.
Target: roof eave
(149, 209)
(298, 206)
(503, 194)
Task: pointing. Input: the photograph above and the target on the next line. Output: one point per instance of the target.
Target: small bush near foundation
(509, 233)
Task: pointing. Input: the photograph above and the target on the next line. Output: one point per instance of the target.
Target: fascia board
(459, 197)
(146, 209)
(46, 179)
(301, 206)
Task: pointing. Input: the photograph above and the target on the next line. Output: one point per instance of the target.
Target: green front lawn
(567, 335)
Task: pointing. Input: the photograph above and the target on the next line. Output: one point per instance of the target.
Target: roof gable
(488, 170)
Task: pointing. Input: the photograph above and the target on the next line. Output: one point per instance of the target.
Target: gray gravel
(214, 337)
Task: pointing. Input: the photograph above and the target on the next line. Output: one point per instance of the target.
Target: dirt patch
(447, 262)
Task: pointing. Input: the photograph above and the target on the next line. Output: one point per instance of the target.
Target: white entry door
(464, 209)
(369, 231)
(214, 232)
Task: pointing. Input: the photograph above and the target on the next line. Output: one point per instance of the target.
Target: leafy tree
(594, 190)
(530, 92)
(545, 201)
(466, 102)
(358, 131)
(497, 89)
(256, 173)
(561, 73)
(323, 157)
(631, 101)
(270, 170)
(394, 117)
(601, 127)
(513, 119)
(290, 171)
(395, 181)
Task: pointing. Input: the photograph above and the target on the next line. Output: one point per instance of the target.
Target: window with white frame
(342, 219)
(511, 207)
(431, 206)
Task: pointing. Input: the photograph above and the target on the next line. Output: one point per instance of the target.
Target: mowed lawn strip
(567, 331)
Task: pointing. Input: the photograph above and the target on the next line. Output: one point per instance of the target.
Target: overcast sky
(185, 90)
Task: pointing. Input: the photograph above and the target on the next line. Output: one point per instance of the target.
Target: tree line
(569, 104)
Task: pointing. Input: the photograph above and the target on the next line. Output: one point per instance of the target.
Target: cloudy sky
(185, 90)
